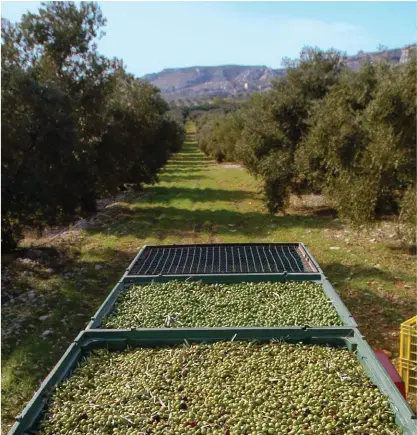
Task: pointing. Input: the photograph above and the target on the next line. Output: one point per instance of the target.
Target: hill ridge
(202, 82)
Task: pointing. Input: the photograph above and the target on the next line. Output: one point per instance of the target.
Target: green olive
(193, 304)
(228, 387)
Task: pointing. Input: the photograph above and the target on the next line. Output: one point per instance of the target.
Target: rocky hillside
(211, 81)
(202, 82)
(397, 55)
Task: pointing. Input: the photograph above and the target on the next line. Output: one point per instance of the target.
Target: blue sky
(151, 36)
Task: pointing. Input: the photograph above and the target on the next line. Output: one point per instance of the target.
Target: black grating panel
(222, 259)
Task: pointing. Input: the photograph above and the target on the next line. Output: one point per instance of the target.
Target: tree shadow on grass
(183, 169)
(323, 211)
(43, 265)
(403, 248)
(378, 310)
(190, 146)
(171, 178)
(194, 163)
(192, 152)
(162, 222)
(338, 271)
(166, 194)
(192, 159)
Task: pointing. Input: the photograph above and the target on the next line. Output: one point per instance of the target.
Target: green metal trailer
(349, 338)
(224, 263)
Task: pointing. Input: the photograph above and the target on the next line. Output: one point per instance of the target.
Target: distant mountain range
(204, 82)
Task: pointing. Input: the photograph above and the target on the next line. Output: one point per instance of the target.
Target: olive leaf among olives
(193, 304)
(233, 388)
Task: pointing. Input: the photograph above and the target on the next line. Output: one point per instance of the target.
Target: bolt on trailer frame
(118, 340)
(253, 257)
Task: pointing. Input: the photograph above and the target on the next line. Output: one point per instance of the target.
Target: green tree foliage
(324, 128)
(335, 120)
(37, 156)
(75, 125)
(139, 136)
(60, 39)
(361, 146)
(275, 123)
(38, 134)
(199, 110)
(218, 134)
(312, 74)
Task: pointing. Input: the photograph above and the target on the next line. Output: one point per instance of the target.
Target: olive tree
(218, 135)
(75, 124)
(361, 145)
(276, 122)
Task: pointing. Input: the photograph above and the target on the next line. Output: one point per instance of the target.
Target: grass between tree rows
(51, 292)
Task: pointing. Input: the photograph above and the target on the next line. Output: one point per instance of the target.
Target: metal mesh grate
(221, 259)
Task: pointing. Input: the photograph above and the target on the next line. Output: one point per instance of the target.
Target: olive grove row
(75, 125)
(326, 129)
